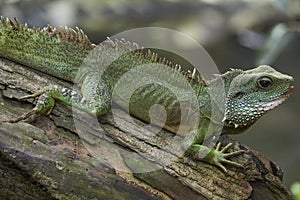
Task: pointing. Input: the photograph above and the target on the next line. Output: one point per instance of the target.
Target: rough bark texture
(54, 158)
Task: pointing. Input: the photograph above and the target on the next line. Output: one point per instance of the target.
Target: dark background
(236, 34)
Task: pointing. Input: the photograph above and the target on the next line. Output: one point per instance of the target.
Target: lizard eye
(264, 82)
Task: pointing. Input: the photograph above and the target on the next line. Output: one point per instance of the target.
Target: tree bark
(72, 155)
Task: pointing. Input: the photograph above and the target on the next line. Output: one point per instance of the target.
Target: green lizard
(248, 94)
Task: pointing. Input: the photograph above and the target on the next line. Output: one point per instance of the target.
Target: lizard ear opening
(238, 95)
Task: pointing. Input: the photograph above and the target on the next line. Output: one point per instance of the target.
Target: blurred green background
(236, 34)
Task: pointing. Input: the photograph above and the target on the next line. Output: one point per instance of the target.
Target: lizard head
(252, 93)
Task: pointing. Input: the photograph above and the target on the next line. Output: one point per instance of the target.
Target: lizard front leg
(94, 98)
(218, 156)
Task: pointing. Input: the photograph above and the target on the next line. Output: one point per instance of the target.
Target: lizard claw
(217, 156)
(37, 94)
(221, 156)
(22, 117)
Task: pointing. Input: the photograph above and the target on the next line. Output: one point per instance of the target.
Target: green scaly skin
(68, 54)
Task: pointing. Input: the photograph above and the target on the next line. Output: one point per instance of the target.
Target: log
(73, 155)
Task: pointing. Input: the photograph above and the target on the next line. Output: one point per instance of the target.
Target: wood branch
(72, 155)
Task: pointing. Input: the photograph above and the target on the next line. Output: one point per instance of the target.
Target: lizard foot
(44, 105)
(216, 156)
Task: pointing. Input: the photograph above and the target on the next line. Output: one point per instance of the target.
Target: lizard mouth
(277, 102)
(290, 90)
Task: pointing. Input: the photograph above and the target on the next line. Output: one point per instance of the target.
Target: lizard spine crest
(64, 33)
(78, 37)
(191, 75)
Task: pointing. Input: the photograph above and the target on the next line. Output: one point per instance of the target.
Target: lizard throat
(243, 114)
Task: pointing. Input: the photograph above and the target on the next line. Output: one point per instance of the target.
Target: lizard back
(56, 52)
